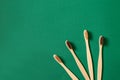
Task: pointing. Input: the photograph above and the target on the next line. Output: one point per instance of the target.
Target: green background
(31, 31)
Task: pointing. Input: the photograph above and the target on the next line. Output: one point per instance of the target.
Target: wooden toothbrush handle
(73, 77)
(99, 71)
(89, 60)
(80, 66)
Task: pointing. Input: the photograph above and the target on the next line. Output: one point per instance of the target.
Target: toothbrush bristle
(57, 58)
(68, 44)
(86, 34)
(101, 40)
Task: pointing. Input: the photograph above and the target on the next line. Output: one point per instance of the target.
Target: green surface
(31, 31)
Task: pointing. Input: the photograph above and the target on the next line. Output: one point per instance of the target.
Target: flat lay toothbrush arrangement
(89, 60)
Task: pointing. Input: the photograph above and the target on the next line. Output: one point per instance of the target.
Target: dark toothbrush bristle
(58, 59)
(101, 40)
(69, 45)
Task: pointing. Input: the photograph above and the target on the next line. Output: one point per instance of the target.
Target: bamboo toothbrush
(73, 77)
(79, 64)
(99, 71)
(89, 58)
